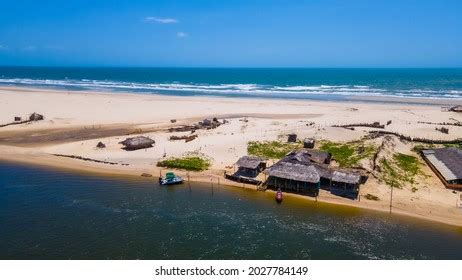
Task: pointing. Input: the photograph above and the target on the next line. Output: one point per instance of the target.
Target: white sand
(267, 120)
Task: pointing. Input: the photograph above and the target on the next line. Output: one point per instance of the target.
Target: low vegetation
(191, 163)
(271, 149)
(459, 145)
(419, 147)
(400, 170)
(349, 154)
(371, 197)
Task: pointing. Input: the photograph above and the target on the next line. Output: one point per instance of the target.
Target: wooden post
(211, 180)
(189, 183)
(391, 197)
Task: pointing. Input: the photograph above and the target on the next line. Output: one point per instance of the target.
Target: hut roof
(35, 117)
(307, 156)
(138, 142)
(447, 161)
(309, 140)
(296, 172)
(251, 162)
(345, 176)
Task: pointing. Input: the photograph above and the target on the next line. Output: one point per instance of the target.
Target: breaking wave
(289, 91)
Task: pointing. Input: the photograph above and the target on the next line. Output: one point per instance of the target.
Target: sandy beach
(76, 121)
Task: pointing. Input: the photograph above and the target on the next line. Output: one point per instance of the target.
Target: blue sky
(272, 33)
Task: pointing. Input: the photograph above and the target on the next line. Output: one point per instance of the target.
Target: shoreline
(83, 169)
(75, 121)
(343, 98)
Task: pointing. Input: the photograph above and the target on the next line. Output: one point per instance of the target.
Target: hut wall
(293, 186)
(247, 172)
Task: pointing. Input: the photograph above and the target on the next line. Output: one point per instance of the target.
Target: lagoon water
(50, 214)
(294, 83)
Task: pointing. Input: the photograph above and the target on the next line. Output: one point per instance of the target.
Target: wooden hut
(250, 166)
(17, 119)
(308, 156)
(308, 143)
(293, 177)
(306, 171)
(447, 164)
(35, 117)
(345, 183)
(292, 138)
(138, 142)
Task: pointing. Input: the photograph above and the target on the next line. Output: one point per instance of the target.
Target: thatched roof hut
(296, 172)
(35, 117)
(250, 162)
(308, 143)
(138, 142)
(344, 176)
(308, 156)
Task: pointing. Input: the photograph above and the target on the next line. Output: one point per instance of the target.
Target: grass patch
(349, 154)
(400, 170)
(271, 149)
(458, 146)
(191, 163)
(419, 147)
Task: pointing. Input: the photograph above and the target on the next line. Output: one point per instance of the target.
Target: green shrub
(401, 169)
(192, 163)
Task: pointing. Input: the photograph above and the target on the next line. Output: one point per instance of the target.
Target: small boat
(170, 179)
(279, 196)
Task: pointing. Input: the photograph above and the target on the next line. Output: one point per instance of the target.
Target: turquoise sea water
(49, 214)
(297, 83)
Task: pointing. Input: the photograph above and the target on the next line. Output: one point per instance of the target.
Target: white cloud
(181, 34)
(160, 20)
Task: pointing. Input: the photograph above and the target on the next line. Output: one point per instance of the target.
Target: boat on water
(279, 196)
(170, 179)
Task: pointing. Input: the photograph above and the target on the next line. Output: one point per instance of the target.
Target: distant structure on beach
(308, 143)
(138, 142)
(447, 164)
(292, 138)
(36, 117)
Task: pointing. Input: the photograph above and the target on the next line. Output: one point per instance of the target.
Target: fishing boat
(170, 179)
(279, 196)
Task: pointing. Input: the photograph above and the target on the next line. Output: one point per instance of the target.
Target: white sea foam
(289, 91)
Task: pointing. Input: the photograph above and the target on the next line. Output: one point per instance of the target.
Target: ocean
(293, 83)
(55, 214)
